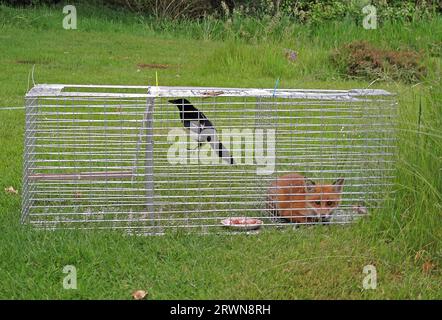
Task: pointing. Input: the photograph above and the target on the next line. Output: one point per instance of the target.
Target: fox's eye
(318, 203)
(329, 203)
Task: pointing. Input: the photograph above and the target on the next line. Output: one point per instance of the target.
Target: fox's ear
(309, 186)
(339, 185)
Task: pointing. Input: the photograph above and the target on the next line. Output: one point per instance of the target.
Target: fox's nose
(324, 212)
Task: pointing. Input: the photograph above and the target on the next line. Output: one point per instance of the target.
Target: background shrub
(315, 11)
(361, 59)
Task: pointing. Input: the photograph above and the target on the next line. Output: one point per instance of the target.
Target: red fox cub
(298, 199)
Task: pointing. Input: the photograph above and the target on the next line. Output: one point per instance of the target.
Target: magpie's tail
(221, 151)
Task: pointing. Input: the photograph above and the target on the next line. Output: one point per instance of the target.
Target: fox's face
(322, 200)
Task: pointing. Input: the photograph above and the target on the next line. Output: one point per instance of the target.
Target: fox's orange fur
(298, 199)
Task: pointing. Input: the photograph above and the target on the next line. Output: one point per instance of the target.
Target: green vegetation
(403, 240)
(360, 59)
(299, 10)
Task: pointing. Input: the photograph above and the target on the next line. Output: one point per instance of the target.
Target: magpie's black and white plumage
(196, 122)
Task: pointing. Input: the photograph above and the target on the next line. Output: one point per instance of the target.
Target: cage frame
(150, 94)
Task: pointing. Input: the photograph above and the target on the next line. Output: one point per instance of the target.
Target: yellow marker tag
(156, 77)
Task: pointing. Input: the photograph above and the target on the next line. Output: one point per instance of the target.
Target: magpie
(196, 122)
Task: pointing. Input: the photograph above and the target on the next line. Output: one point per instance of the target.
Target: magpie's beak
(173, 101)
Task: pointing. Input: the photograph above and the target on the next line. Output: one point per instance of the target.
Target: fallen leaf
(419, 255)
(139, 294)
(427, 267)
(11, 190)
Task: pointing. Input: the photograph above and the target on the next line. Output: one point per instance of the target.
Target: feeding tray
(242, 223)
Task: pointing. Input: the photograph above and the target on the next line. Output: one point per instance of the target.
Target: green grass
(311, 262)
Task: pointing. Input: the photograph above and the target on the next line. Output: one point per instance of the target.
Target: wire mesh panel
(160, 159)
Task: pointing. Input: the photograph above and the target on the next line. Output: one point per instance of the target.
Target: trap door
(143, 173)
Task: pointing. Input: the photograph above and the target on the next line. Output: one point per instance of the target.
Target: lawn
(402, 240)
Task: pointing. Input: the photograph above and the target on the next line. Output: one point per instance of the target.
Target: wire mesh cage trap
(156, 159)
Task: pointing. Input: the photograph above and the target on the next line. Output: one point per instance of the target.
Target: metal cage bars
(118, 157)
